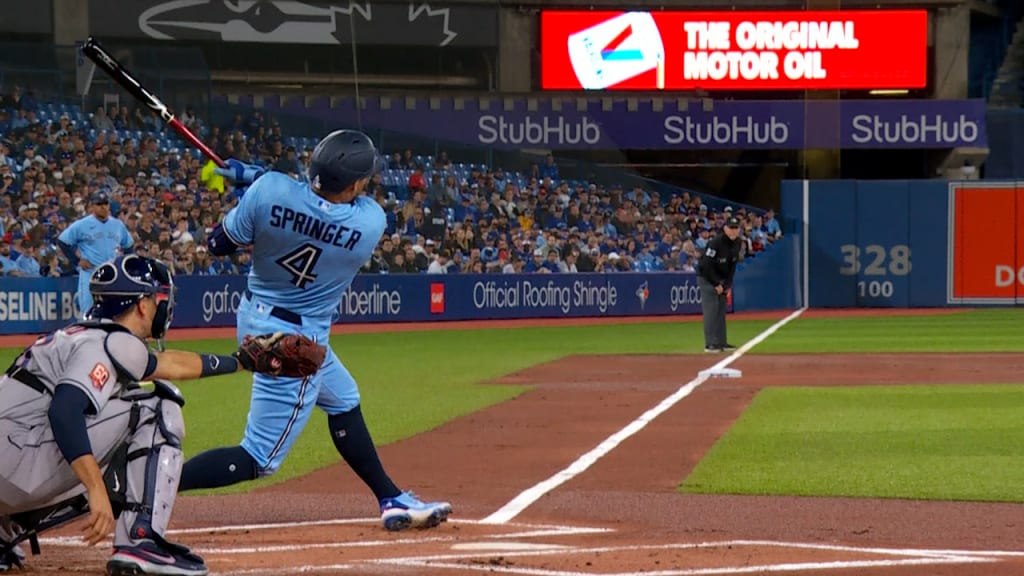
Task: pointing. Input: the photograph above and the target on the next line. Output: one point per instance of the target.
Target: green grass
(414, 381)
(987, 330)
(920, 442)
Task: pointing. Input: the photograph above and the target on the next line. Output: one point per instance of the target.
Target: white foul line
(534, 493)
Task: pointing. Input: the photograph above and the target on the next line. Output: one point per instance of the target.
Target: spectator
(27, 266)
(441, 263)
(7, 264)
(478, 221)
(100, 120)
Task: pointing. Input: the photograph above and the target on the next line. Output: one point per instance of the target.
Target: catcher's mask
(119, 284)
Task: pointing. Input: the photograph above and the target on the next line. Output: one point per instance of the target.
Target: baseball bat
(95, 52)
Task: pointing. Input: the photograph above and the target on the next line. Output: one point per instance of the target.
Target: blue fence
(35, 305)
(903, 244)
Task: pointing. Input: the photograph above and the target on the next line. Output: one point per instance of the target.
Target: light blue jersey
(97, 241)
(306, 250)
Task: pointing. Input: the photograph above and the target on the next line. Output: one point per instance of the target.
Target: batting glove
(239, 172)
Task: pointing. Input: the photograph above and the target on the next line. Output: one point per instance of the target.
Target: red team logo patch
(99, 376)
(437, 298)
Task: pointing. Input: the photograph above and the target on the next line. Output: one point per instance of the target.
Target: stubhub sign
(671, 124)
(39, 305)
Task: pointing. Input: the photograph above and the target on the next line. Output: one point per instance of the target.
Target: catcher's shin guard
(150, 484)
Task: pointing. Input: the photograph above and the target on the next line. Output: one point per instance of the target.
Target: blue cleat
(406, 511)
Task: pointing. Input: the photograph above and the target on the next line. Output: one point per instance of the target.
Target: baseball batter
(76, 423)
(97, 238)
(308, 242)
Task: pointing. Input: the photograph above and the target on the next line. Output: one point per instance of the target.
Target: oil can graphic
(616, 50)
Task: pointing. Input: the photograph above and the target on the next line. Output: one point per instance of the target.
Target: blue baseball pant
(280, 407)
(83, 297)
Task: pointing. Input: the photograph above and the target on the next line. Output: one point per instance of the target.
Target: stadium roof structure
(977, 5)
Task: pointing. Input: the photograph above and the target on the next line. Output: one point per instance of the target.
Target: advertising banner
(37, 305)
(986, 250)
(743, 124)
(734, 50)
(32, 305)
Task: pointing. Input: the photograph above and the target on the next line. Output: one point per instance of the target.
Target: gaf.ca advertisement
(778, 50)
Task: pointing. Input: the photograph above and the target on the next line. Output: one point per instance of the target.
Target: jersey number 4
(300, 264)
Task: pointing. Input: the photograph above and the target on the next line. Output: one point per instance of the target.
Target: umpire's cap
(732, 222)
(119, 284)
(341, 159)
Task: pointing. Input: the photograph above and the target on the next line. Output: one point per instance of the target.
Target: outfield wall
(34, 305)
(901, 244)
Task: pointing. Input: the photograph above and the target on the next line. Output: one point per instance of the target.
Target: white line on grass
(526, 498)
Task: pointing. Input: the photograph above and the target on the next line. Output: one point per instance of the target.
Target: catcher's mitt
(280, 354)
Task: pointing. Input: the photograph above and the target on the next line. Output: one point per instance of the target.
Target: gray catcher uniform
(106, 362)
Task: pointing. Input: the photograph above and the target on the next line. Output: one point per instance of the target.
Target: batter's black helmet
(341, 159)
(118, 284)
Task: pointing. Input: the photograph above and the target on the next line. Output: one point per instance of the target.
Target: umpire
(714, 276)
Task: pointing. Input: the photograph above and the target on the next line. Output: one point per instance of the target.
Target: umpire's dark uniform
(716, 268)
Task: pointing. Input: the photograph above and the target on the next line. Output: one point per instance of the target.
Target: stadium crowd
(53, 168)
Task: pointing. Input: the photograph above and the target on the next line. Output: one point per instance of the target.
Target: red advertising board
(986, 254)
(765, 50)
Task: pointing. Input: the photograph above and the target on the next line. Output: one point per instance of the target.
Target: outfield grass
(927, 442)
(414, 381)
(988, 330)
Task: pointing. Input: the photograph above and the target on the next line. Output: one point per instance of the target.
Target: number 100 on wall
(875, 260)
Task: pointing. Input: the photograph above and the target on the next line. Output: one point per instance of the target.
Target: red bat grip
(195, 141)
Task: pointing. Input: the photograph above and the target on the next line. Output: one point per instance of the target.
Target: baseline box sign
(39, 305)
(986, 247)
(735, 125)
(765, 50)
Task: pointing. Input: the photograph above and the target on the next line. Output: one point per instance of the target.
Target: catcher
(85, 439)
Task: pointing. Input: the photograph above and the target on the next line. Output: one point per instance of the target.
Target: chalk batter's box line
(541, 529)
(529, 531)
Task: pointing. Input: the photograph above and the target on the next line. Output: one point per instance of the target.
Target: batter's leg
(339, 398)
(278, 411)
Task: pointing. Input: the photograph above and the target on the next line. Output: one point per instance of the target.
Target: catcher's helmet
(118, 284)
(341, 159)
